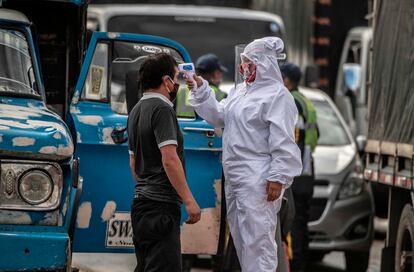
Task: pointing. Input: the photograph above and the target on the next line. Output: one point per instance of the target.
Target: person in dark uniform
(157, 165)
(306, 134)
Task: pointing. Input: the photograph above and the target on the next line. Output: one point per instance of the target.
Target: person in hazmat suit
(260, 156)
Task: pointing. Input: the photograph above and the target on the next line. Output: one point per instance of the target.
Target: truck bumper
(32, 251)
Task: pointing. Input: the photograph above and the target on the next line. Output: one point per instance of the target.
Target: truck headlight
(35, 187)
(30, 185)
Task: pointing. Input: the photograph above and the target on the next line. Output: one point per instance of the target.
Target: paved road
(333, 262)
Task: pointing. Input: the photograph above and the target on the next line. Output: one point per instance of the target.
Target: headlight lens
(35, 187)
(352, 186)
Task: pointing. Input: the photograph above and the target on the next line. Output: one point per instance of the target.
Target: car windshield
(16, 70)
(331, 130)
(199, 35)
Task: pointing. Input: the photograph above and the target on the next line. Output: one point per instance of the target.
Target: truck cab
(351, 93)
(39, 173)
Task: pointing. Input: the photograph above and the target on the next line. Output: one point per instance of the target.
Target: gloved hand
(274, 190)
(197, 79)
(199, 88)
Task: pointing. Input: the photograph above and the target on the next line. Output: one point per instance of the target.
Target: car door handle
(119, 136)
(209, 132)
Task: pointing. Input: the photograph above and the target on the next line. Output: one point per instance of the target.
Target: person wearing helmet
(209, 67)
(306, 133)
(260, 156)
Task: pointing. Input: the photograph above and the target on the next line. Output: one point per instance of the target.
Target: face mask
(173, 93)
(248, 72)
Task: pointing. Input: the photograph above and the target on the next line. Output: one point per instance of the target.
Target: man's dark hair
(154, 68)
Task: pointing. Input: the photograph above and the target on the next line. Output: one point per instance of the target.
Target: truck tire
(357, 261)
(405, 241)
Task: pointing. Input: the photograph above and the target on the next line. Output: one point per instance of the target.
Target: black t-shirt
(153, 124)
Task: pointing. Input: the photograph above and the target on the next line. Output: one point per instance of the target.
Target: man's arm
(175, 172)
(132, 166)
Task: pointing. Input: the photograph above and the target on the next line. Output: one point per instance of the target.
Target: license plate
(119, 231)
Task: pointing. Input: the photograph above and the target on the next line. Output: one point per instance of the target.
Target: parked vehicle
(217, 29)
(342, 208)
(390, 145)
(39, 186)
(39, 174)
(99, 119)
(351, 93)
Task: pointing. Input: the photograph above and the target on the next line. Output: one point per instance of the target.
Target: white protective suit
(258, 146)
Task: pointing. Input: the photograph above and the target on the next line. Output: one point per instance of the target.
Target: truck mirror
(352, 76)
(311, 76)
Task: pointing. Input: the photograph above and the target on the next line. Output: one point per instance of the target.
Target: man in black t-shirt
(157, 164)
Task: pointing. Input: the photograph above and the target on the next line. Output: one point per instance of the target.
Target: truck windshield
(331, 130)
(16, 70)
(199, 35)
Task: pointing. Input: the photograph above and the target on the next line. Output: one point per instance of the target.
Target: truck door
(98, 115)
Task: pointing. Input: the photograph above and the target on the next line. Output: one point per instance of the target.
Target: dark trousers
(302, 189)
(156, 236)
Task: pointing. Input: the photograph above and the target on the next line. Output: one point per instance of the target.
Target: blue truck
(65, 181)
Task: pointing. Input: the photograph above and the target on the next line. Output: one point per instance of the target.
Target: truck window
(96, 81)
(16, 69)
(353, 56)
(331, 131)
(199, 35)
(127, 58)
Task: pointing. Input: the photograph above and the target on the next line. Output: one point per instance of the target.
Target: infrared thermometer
(187, 69)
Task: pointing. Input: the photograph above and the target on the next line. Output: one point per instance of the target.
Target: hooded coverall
(258, 146)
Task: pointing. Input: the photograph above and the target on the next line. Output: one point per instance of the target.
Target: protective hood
(263, 52)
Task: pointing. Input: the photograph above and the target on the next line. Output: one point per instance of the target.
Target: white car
(342, 208)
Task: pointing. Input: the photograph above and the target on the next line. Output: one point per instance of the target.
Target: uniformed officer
(306, 134)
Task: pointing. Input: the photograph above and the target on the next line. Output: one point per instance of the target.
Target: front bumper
(345, 225)
(33, 251)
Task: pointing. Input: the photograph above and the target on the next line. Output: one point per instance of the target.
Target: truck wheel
(405, 241)
(356, 261)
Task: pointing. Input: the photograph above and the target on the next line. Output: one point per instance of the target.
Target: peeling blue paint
(27, 126)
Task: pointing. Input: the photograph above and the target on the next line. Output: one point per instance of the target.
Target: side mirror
(311, 77)
(361, 141)
(352, 76)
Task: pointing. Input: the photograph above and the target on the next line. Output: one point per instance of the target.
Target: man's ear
(164, 79)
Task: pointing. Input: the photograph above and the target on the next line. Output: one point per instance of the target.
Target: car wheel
(405, 241)
(356, 261)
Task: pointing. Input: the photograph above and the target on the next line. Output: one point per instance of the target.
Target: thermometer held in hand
(187, 69)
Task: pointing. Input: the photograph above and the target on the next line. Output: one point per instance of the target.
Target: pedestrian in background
(306, 134)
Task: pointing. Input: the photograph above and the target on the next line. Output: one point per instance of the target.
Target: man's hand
(273, 190)
(193, 211)
(191, 82)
